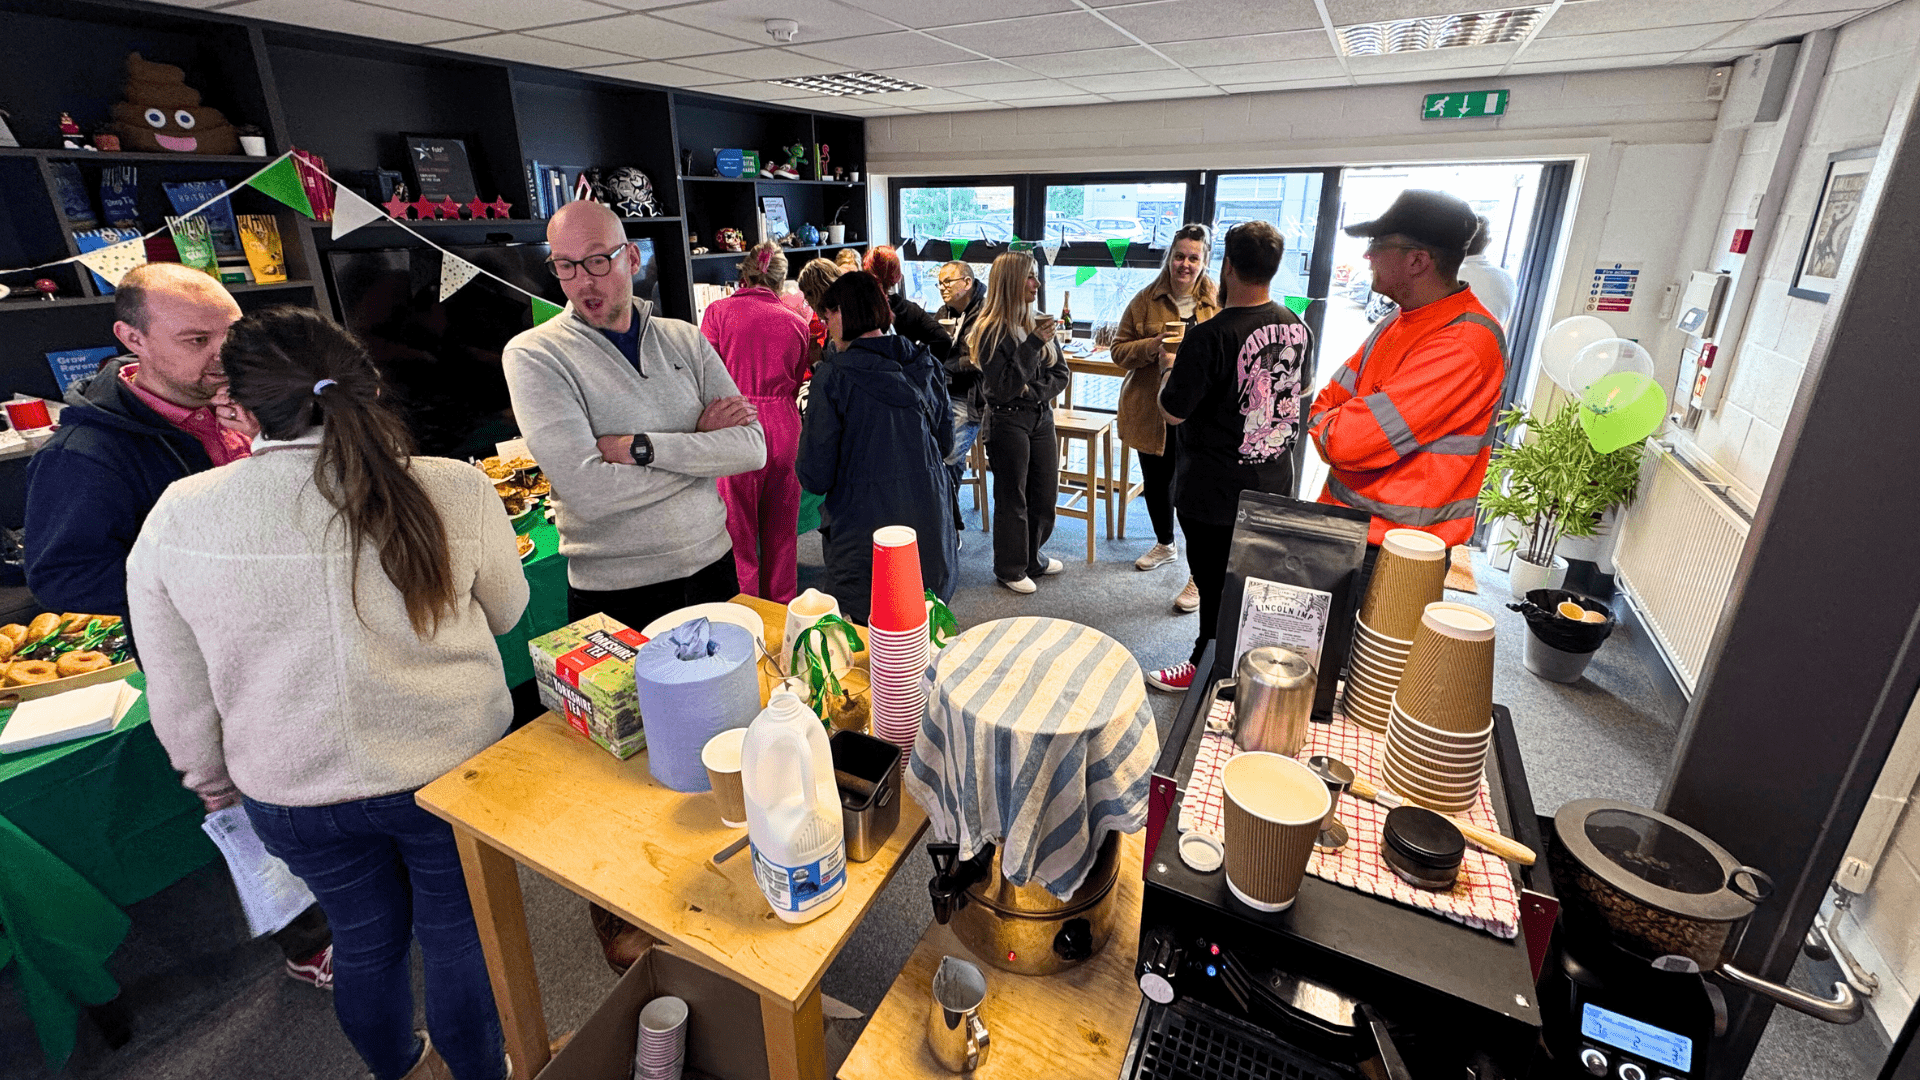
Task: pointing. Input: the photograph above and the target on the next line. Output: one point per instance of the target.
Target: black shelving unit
(350, 100)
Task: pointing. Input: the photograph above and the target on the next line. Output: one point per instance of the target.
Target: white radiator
(1679, 546)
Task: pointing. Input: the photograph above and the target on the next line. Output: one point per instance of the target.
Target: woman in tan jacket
(1182, 293)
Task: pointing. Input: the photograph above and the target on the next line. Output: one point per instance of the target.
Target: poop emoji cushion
(163, 113)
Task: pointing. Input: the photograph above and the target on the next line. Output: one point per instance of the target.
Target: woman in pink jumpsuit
(764, 345)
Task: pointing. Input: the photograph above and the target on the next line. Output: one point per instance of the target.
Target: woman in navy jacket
(875, 440)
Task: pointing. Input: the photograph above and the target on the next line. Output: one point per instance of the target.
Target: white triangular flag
(114, 261)
(454, 272)
(350, 211)
(1051, 245)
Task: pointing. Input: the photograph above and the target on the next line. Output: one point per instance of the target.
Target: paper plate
(737, 614)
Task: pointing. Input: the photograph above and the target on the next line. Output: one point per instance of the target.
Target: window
(951, 213)
(921, 286)
(1290, 201)
(1146, 214)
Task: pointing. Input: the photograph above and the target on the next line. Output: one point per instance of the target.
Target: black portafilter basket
(1541, 609)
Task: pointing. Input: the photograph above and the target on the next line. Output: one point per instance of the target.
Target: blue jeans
(387, 872)
(965, 433)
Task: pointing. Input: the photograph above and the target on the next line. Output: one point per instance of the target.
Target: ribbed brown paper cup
(1411, 573)
(1274, 806)
(721, 756)
(1448, 681)
(1363, 709)
(1410, 787)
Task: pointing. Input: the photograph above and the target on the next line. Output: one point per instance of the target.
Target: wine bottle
(1066, 311)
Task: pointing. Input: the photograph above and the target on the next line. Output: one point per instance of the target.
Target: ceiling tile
(974, 106)
(1048, 103)
(503, 14)
(639, 5)
(1165, 95)
(1810, 7)
(1034, 35)
(196, 3)
(968, 73)
(348, 17)
(886, 51)
(1391, 77)
(1017, 93)
(1607, 16)
(1255, 49)
(1762, 32)
(923, 14)
(532, 50)
(663, 74)
(1096, 62)
(643, 36)
(770, 63)
(1294, 84)
(1354, 12)
(1137, 80)
(1469, 56)
(1625, 43)
(923, 98)
(1282, 72)
(820, 20)
(1602, 63)
(1193, 20)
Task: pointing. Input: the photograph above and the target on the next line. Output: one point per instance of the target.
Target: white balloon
(1565, 340)
(1603, 358)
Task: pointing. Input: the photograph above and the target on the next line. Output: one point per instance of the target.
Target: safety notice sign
(1612, 288)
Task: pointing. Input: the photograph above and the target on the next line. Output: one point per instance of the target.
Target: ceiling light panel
(1439, 32)
(849, 84)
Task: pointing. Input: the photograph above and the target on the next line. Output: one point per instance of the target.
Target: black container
(868, 772)
(1422, 848)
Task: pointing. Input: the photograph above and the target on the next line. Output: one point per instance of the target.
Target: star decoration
(476, 208)
(449, 209)
(423, 208)
(396, 207)
(501, 208)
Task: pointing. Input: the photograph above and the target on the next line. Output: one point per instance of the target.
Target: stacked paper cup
(661, 1053)
(1410, 574)
(1441, 720)
(897, 638)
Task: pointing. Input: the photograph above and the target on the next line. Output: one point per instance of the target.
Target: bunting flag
(1082, 274)
(281, 180)
(956, 248)
(1297, 304)
(350, 211)
(1052, 248)
(454, 272)
(1117, 247)
(911, 249)
(544, 310)
(114, 261)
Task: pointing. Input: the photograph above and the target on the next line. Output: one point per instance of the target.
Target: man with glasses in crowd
(961, 298)
(633, 419)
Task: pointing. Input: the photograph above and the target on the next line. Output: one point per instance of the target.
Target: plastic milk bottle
(793, 811)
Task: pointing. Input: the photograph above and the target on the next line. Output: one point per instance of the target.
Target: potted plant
(1554, 484)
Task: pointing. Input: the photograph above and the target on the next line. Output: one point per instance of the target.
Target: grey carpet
(208, 1004)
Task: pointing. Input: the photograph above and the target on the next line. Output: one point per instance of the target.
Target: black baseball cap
(1433, 218)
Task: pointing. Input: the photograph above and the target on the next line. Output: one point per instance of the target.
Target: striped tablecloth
(1037, 737)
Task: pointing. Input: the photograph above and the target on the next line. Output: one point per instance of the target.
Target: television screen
(441, 359)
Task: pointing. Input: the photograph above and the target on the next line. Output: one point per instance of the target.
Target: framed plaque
(441, 167)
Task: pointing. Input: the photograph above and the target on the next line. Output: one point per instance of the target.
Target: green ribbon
(812, 658)
(1081, 274)
(941, 625)
(1117, 247)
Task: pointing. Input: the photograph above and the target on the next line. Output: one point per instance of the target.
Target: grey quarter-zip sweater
(624, 526)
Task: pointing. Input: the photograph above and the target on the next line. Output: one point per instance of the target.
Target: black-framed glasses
(1381, 245)
(595, 265)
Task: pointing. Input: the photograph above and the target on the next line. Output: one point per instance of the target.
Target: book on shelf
(318, 185)
(189, 195)
(71, 365)
(266, 257)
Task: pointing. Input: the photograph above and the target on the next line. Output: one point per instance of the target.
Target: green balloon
(1621, 409)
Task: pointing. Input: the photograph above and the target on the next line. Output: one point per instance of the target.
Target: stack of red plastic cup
(897, 638)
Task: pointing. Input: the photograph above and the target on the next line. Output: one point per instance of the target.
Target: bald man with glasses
(961, 296)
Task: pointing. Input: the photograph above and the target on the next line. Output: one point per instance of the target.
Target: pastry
(525, 544)
(79, 663)
(6, 649)
(78, 625)
(28, 672)
(42, 625)
(14, 632)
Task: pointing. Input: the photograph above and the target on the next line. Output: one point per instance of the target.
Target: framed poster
(1835, 218)
(775, 207)
(441, 167)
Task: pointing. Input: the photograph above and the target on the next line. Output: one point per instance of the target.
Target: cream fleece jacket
(624, 526)
(261, 675)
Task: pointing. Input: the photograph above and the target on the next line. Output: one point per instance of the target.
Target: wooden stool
(1082, 490)
(976, 478)
(1119, 488)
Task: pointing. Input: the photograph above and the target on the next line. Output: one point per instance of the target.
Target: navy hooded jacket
(874, 441)
(90, 488)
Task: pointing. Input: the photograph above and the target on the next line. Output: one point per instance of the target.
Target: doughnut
(42, 625)
(27, 672)
(79, 663)
(14, 632)
(6, 649)
(76, 623)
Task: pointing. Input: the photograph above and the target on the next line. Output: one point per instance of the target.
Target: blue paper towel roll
(694, 682)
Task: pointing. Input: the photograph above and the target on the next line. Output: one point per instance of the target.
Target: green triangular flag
(1021, 246)
(956, 248)
(1117, 247)
(544, 310)
(282, 181)
(1297, 304)
(1082, 273)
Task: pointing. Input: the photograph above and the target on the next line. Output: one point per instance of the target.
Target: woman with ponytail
(316, 622)
(765, 346)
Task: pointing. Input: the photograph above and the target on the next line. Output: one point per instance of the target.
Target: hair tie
(765, 256)
(322, 385)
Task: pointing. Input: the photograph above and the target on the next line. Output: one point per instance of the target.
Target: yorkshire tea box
(585, 673)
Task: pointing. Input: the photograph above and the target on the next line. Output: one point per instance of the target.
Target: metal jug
(955, 1033)
(1273, 700)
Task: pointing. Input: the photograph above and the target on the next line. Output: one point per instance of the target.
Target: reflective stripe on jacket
(1407, 424)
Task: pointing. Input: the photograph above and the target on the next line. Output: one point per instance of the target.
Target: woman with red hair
(910, 320)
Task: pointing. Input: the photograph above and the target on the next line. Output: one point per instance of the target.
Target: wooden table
(1096, 363)
(547, 797)
(1063, 1027)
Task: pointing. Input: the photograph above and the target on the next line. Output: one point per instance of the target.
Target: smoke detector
(783, 31)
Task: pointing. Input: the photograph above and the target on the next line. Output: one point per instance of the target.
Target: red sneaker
(1176, 678)
(315, 970)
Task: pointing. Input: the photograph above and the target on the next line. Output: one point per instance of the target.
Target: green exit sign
(1461, 104)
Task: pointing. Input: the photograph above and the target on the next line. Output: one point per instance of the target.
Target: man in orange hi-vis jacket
(1406, 425)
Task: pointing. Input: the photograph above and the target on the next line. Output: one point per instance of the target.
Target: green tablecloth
(546, 603)
(86, 828)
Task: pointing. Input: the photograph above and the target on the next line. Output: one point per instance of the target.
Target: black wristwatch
(642, 449)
